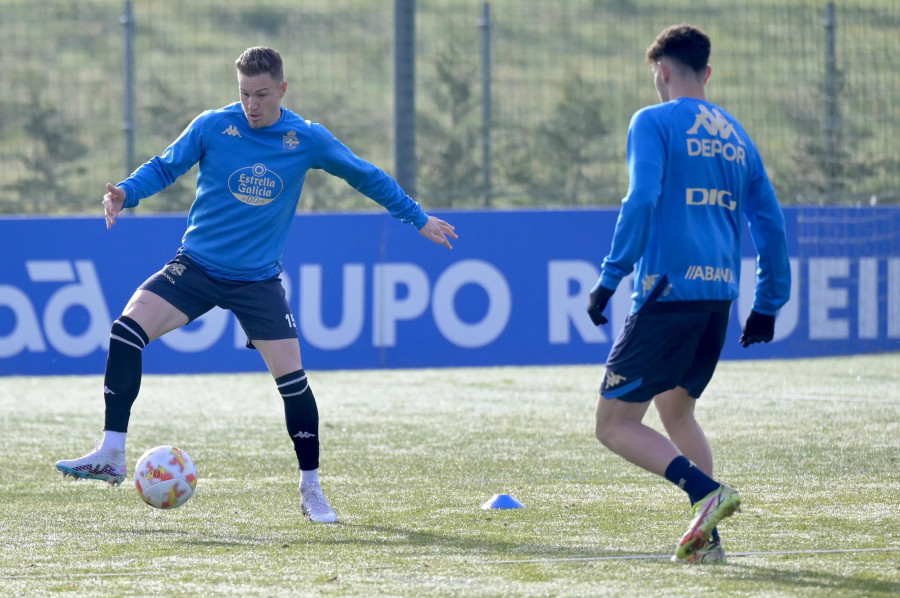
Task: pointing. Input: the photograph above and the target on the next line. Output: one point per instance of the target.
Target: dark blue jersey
(249, 183)
(693, 172)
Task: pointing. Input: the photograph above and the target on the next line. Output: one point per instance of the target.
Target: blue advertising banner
(369, 292)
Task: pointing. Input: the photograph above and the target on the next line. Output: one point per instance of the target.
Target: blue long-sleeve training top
(693, 171)
(249, 183)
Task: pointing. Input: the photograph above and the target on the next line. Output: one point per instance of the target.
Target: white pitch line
(800, 397)
(650, 557)
(68, 575)
(627, 557)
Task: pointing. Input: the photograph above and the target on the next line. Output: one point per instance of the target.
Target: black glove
(599, 298)
(759, 328)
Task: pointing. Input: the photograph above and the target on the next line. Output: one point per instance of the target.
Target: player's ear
(708, 73)
(283, 88)
(664, 71)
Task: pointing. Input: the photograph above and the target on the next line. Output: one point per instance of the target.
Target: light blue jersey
(693, 173)
(249, 183)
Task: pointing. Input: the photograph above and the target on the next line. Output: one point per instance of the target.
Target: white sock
(309, 476)
(113, 440)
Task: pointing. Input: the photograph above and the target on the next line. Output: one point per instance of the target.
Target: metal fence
(517, 102)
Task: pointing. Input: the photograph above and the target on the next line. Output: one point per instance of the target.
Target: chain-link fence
(814, 88)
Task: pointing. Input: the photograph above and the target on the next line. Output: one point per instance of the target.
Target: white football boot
(107, 465)
(314, 505)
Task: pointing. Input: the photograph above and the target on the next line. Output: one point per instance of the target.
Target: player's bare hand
(437, 230)
(112, 203)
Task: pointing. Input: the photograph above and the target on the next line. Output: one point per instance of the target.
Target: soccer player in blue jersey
(694, 176)
(253, 156)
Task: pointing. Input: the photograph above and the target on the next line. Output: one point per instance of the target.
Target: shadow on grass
(838, 585)
(392, 541)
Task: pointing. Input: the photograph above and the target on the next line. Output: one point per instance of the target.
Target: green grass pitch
(409, 457)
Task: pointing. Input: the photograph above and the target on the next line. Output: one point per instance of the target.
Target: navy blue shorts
(260, 305)
(665, 345)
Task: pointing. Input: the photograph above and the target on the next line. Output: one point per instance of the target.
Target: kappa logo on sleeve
(648, 282)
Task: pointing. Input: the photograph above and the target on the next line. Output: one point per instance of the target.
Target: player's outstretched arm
(112, 203)
(437, 230)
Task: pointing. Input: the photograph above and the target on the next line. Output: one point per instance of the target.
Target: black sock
(301, 417)
(124, 366)
(687, 476)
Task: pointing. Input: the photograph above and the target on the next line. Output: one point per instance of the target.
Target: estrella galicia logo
(255, 185)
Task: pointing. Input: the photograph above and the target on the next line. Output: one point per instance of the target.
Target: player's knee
(605, 436)
(675, 416)
(676, 420)
(603, 430)
(675, 407)
(129, 333)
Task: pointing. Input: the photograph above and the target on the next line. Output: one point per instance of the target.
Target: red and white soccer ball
(165, 477)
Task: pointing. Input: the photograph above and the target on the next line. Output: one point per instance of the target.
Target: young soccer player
(253, 156)
(694, 172)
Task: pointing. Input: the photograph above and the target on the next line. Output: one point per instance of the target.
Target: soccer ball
(165, 477)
